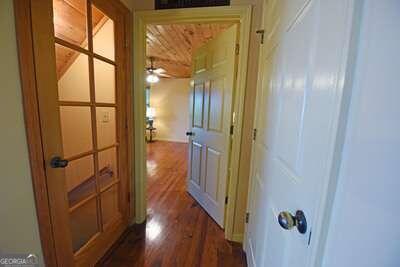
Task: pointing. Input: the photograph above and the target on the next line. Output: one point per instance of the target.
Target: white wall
(364, 230)
(18, 222)
(170, 98)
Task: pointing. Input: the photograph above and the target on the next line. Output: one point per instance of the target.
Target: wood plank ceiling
(172, 45)
(70, 25)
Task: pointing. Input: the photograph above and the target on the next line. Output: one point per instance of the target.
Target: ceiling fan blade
(164, 75)
(159, 70)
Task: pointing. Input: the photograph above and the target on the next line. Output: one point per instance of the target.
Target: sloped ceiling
(70, 25)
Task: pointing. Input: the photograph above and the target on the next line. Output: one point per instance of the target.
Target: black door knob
(189, 133)
(58, 162)
(287, 221)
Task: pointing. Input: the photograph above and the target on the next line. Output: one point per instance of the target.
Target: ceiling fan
(154, 73)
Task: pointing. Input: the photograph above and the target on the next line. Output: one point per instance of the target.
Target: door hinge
(231, 129)
(309, 237)
(237, 49)
(226, 200)
(247, 217)
(254, 134)
(261, 32)
(129, 197)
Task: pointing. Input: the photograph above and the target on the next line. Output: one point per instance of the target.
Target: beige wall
(244, 167)
(170, 98)
(18, 224)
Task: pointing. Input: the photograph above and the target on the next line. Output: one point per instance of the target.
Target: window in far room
(147, 96)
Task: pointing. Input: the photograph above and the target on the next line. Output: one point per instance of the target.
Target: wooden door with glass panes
(79, 60)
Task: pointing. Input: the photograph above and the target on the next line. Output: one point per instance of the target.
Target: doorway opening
(200, 117)
(174, 103)
(189, 81)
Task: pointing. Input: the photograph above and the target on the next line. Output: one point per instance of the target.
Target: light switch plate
(105, 117)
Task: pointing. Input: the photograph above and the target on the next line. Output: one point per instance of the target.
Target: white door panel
(211, 108)
(212, 177)
(196, 163)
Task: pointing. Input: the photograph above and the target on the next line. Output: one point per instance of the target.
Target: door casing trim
(24, 36)
(236, 14)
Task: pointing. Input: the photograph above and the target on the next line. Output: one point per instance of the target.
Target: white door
(298, 102)
(210, 122)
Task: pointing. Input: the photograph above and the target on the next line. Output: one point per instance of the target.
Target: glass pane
(72, 75)
(70, 21)
(148, 96)
(104, 81)
(109, 204)
(106, 127)
(76, 130)
(81, 182)
(83, 223)
(103, 34)
(108, 166)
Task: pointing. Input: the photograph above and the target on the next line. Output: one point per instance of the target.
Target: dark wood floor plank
(178, 232)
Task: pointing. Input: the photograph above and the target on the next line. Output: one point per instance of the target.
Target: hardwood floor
(178, 231)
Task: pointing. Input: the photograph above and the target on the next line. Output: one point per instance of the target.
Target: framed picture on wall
(168, 4)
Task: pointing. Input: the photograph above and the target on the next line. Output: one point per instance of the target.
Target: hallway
(178, 231)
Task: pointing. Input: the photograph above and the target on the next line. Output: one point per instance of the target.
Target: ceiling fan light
(152, 78)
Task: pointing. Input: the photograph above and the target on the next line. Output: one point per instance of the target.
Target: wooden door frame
(24, 34)
(235, 14)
